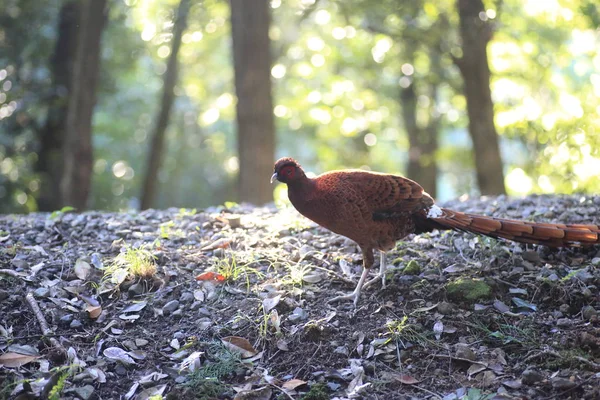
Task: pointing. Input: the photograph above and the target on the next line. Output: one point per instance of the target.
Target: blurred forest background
(121, 104)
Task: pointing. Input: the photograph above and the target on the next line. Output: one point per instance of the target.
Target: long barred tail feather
(553, 235)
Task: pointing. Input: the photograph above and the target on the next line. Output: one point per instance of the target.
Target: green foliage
(131, 263)
(206, 382)
(318, 391)
(59, 386)
(339, 69)
(59, 213)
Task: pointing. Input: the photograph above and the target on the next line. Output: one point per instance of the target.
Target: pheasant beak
(274, 177)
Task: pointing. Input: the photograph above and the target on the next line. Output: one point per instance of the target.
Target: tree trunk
(475, 34)
(49, 165)
(250, 21)
(77, 146)
(422, 141)
(158, 136)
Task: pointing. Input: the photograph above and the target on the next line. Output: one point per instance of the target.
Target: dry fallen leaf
(94, 311)
(263, 393)
(15, 360)
(407, 380)
(270, 303)
(217, 244)
(210, 276)
(239, 345)
(293, 384)
(82, 269)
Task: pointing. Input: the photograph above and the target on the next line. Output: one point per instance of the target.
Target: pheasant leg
(382, 268)
(368, 261)
(356, 293)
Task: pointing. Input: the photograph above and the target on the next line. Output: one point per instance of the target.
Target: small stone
(564, 308)
(136, 289)
(306, 235)
(20, 264)
(531, 377)
(75, 324)
(465, 352)
(559, 383)
(444, 308)
(343, 350)
(66, 319)
(553, 277)
(41, 292)
(204, 312)
(84, 392)
(531, 256)
(130, 344)
(141, 342)
(179, 335)
(305, 249)
(170, 307)
(186, 297)
(596, 261)
(177, 313)
(564, 322)
(196, 305)
(588, 312)
(234, 221)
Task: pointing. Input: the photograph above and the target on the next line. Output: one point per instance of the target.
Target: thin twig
(10, 272)
(46, 331)
(437, 396)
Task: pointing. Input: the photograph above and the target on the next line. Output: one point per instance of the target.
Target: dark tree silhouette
(475, 35)
(157, 146)
(250, 20)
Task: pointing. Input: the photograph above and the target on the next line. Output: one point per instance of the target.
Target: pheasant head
(287, 170)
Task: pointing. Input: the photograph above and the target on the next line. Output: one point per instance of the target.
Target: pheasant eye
(288, 171)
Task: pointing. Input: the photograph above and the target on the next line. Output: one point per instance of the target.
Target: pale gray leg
(382, 268)
(356, 293)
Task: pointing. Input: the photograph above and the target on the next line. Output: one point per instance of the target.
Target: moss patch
(468, 289)
(412, 268)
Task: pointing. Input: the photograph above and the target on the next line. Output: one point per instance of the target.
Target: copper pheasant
(376, 210)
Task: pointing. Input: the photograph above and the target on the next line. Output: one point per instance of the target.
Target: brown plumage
(376, 210)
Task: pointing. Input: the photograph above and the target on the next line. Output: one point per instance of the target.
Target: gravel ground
(231, 302)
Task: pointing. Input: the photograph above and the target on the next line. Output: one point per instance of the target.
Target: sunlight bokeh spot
(407, 69)
(358, 104)
(275, 4)
(225, 100)
(320, 114)
(370, 139)
(278, 71)
(100, 165)
(304, 69)
(280, 111)
(210, 116)
(317, 60)
(518, 181)
(322, 17)
(314, 97)
(148, 32)
(232, 165)
(571, 105)
(338, 33)
(315, 43)
(163, 51)
(119, 169)
(349, 126)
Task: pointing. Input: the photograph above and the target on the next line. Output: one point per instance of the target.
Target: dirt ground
(231, 302)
